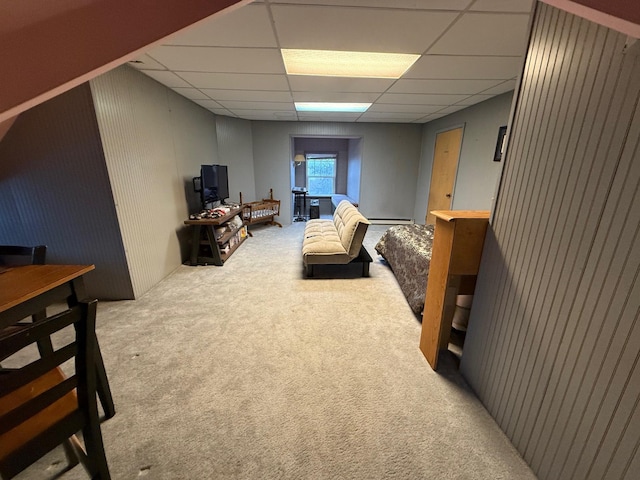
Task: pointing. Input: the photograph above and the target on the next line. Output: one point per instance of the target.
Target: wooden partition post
(457, 249)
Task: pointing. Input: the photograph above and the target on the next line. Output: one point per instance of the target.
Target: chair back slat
(12, 380)
(31, 406)
(14, 340)
(20, 255)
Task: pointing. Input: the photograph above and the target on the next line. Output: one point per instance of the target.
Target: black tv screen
(214, 184)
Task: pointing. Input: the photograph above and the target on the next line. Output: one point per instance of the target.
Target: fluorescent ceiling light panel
(330, 63)
(331, 107)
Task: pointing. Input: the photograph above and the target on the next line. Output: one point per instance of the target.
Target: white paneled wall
(154, 142)
(554, 339)
(235, 148)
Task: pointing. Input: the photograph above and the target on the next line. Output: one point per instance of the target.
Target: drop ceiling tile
(485, 34)
(145, 62)
(236, 81)
(389, 117)
(451, 109)
(433, 116)
(358, 29)
(465, 67)
(167, 78)
(468, 87)
(248, 95)
(405, 4)
(399, 108)
(236, 105)
(219, 59)
(335, 97)
(502, 6)
(210, 104)
(501, 88)
(387, 120)
(422, 99)
(222, 111)
(310, 83)
(265, 115)
(247, 26)
(473, 99)
(191, 93)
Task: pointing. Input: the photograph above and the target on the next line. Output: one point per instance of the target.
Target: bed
(407, 250)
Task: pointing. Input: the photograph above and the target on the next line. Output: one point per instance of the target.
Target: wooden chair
(14, 255)
(40, 408)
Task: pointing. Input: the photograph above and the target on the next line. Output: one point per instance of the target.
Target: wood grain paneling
(552, 347)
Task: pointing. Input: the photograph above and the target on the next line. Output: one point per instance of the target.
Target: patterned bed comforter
(407, 250)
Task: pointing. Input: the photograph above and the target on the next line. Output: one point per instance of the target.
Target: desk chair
(18, 255)
(40, 408)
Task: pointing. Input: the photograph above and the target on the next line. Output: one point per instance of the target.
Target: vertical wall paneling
(154, 142)
(553, 343)
(235, 149)
(55, 190)
(354, 168)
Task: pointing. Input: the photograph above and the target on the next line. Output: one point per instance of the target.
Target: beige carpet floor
(250, 371)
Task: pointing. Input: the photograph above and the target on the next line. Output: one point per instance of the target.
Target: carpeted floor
(250, 371)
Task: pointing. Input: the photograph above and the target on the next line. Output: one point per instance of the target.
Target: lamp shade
(299, 158)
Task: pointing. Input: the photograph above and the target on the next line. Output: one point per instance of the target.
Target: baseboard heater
(390, 221)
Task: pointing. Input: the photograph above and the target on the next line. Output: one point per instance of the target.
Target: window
(321, 173)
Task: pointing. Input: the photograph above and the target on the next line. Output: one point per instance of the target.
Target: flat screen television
(214, 184)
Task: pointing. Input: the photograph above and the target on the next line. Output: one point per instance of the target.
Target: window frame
(321, 156)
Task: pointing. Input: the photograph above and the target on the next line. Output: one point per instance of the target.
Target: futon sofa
(337, 241)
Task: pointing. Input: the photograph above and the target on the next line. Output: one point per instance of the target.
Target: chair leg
(71, 447)
(309, 270)
(96, 459)
(45, 347)
(104, 391)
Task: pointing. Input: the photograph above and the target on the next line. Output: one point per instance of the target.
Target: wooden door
(443, 173)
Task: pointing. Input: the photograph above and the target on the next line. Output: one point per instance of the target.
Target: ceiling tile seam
(189, 83)
(228, 47)
(177, 73)
(279, 45)
(453, 22)
(368, 7)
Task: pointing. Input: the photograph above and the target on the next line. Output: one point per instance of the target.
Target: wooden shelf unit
(203, 237)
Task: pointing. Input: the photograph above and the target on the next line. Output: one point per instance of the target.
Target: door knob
(448, 195)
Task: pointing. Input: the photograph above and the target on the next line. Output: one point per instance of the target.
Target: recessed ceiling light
(333, 63)
(331, 107)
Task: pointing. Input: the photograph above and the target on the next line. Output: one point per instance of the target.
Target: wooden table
(28, 290)
(455, 259)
